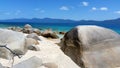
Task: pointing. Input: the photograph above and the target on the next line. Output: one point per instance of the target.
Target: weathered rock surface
(92, 47)
(32, 62)
(50, 65)
(31, 44)
(49, 34)
(37, 31)
(49, 53)
(27, 29)
(15, 41)
(33, 36)
(27, 26)
(1, 66)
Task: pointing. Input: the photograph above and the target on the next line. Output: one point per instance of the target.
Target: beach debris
(92, 47)
(33, 62)
(49, 34)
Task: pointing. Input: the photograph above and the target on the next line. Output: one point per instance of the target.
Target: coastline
(48, 49)
(59, 33)
(50, 54)
(59, 27)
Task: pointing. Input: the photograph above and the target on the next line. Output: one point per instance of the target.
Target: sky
(60, 9)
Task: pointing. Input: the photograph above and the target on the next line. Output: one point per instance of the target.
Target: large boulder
(37, 31)
(15, 41)
(92, 47)
(32, 44)
(33, 36)
(27, 26)
(27, 29)
(1, 66)
(49, 34)
(33, 62)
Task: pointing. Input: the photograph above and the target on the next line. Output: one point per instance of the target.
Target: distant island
(51, 20)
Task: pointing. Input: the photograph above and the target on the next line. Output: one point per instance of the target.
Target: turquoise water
(41, 26)
(61, 26)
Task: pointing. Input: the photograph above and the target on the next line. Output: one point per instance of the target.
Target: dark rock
(62, 33)
(49, 34)
(92, 47)
(28, 31)
(37, 31)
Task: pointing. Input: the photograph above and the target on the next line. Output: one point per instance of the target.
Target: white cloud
(85, 3)
(94, 8)
(118, 12)
(100, 9)
(64, 8)
(103, 8)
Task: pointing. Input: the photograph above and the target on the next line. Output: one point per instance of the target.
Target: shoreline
(28, 29)
(48, 47)
(50, 53)
(56, 27)
(40, 26)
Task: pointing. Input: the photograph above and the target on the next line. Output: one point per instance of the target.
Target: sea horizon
(58, 27)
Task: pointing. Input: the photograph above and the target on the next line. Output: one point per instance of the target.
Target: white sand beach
(49, 53)
(81, 47)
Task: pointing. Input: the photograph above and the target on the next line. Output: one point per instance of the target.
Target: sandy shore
(49, 53)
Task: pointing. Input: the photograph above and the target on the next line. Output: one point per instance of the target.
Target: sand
(49, 53)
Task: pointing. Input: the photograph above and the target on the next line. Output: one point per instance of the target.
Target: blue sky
(60, 9)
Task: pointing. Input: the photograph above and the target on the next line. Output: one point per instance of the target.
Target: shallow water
(61, 26)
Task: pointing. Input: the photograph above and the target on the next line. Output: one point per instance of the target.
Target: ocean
(61, 26)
